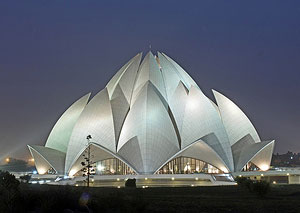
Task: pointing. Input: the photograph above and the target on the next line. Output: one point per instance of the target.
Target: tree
(87, 164)
(9, 191)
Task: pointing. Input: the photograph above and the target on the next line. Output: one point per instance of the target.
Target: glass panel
(112, 166)
(185, 165)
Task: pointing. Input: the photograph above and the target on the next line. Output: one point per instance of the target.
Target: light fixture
(224, 170)
(42, 171)
(72, 173)
(264, 167)
(100, 168)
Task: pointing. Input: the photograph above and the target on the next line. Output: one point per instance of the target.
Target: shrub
(9, 192)
(25, 178)
(8, 181)
(261, 188)
(244, 182)
(130, 183)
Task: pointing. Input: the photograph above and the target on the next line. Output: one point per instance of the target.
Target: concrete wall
(294, 179)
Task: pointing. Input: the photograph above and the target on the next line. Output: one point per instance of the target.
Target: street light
(100, 168)
(87, 164)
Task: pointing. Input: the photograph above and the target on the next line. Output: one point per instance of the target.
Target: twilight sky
(53, 52)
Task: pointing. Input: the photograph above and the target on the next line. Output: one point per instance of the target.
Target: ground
(45, 198)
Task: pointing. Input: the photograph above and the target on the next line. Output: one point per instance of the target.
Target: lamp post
(88, 163)
(89, 160)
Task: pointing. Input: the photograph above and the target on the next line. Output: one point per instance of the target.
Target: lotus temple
(152, 121)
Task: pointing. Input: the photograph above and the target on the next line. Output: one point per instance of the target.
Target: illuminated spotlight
(42, 171)
(72, 172)
(146, 186)
(196, 178)
(172, 178)
(93, 180)
(224, 170)
(76, 184)
(7, 160)
(100, 167)
(274, 182)
(119, 187)
(34, 172)
(264, 167)
(192, 185)
(262, 175)
(126, 179)
(143, 187)
(146, 178)
(240, 175)
(288, 174)
(118, 179)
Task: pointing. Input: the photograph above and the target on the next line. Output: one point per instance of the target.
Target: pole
(88, 160)
(88, 180)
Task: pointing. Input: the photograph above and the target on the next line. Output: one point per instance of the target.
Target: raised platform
(285, 175)
(175, 180)
(163, 180)
(281, 175)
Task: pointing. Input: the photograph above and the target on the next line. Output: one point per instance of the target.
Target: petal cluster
(149, 113)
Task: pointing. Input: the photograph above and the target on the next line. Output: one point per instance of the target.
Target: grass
(46, 198)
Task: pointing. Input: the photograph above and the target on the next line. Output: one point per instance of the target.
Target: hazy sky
(53, 52)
